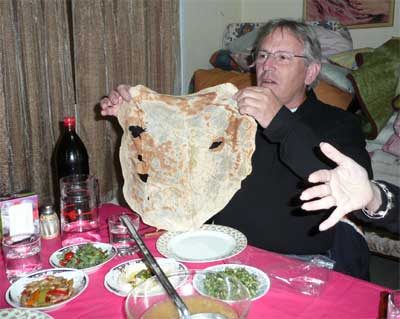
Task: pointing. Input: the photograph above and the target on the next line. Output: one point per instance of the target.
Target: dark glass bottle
(71, 156)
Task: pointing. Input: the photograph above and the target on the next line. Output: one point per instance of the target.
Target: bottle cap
(69, 121)
(46, 210)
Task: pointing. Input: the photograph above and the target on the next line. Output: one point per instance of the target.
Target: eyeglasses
(280, 57)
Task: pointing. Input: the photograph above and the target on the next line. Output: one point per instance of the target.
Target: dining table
(340, 296)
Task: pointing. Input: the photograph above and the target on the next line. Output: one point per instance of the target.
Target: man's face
(287, 81)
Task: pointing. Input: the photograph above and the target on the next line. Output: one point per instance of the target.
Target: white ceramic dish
(81, 281)
(13, 313)
(115, 280)
(262, 278)
(110, 249)
(209, 243)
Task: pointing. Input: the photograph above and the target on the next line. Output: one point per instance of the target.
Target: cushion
(222, 59)
(332, 95)
(240, 40)
(234, 31)
(347, 59)
(396, 99)
(383, 136)
(326, 92)
(332, 41)
(393, 143)
(386, 167)
(337, 76)
(244, 60)
(208, 78)
(375, 83)
(183, 157)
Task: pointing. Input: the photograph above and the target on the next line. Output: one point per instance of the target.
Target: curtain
(58, 58)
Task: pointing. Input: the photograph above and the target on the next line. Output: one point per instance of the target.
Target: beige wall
(202, 25)
(203, 22)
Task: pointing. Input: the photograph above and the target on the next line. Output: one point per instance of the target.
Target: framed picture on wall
(351, 13)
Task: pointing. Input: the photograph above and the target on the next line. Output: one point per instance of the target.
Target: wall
(202, 25)
(203, 22)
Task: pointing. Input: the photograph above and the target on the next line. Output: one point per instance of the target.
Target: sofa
(364, 81)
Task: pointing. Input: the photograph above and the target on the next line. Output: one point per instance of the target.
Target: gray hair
(303, 32)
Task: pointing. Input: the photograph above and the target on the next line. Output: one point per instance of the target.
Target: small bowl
(111, 251)
(149, 298)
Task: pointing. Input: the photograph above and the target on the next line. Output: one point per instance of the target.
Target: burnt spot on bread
(143, 177)
(136, 130)
(217, 144)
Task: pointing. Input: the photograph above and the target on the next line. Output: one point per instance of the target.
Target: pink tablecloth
(342, 297)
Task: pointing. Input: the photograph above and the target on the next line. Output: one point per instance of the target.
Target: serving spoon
(169, 288)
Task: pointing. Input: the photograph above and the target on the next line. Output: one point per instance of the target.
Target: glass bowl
(150, 301)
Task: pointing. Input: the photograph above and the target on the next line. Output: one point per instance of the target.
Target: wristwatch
(387, 202)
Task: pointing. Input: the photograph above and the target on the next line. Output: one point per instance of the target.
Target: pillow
(245, 42)
(222, 59)
(208, 78)
(333, 37)
(236, 30)
(332, 41)
(375, 83)
(325, 92)
(244, 60)
(332, 95)
(337, 76)
(385, 133)
(393, 144)
(386, 167)
(347, 59)
(241, 49)
(396, 100)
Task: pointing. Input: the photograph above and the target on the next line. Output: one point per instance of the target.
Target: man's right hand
(111, 103)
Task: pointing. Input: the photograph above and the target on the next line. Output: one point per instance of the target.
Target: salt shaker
(49, 222)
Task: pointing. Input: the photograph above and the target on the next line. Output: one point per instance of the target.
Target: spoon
(156, 269)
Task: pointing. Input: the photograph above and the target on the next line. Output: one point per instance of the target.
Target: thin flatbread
(183, 157)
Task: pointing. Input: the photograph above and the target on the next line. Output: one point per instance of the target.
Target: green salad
(85, 256)
(214, 282)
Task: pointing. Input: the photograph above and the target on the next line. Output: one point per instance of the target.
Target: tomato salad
(87, 255)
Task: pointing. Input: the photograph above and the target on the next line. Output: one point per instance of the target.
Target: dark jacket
(267, 208)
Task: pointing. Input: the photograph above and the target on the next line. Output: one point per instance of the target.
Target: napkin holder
(19, 214)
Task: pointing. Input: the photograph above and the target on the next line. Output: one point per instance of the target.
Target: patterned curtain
(58, 58)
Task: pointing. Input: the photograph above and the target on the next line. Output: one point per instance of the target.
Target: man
(348, 188)
(292, 123)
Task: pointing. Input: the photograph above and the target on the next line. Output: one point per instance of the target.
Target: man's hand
(111, 103)
(260, 103)
(347, 187)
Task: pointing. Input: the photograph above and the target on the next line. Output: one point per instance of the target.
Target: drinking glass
(79, 209)
(119, 235)
(393, 310)
(21, 255)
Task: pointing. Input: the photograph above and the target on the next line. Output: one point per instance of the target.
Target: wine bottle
(71, 156)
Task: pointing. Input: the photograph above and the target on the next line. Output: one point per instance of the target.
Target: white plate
(12, 313)
(110, 249)
(210, 243)
(81, 281)
(261, 276)
(114, 282)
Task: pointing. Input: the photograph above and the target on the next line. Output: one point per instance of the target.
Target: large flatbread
(183, 157)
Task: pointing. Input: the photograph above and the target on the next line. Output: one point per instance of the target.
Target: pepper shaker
(49, 222)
